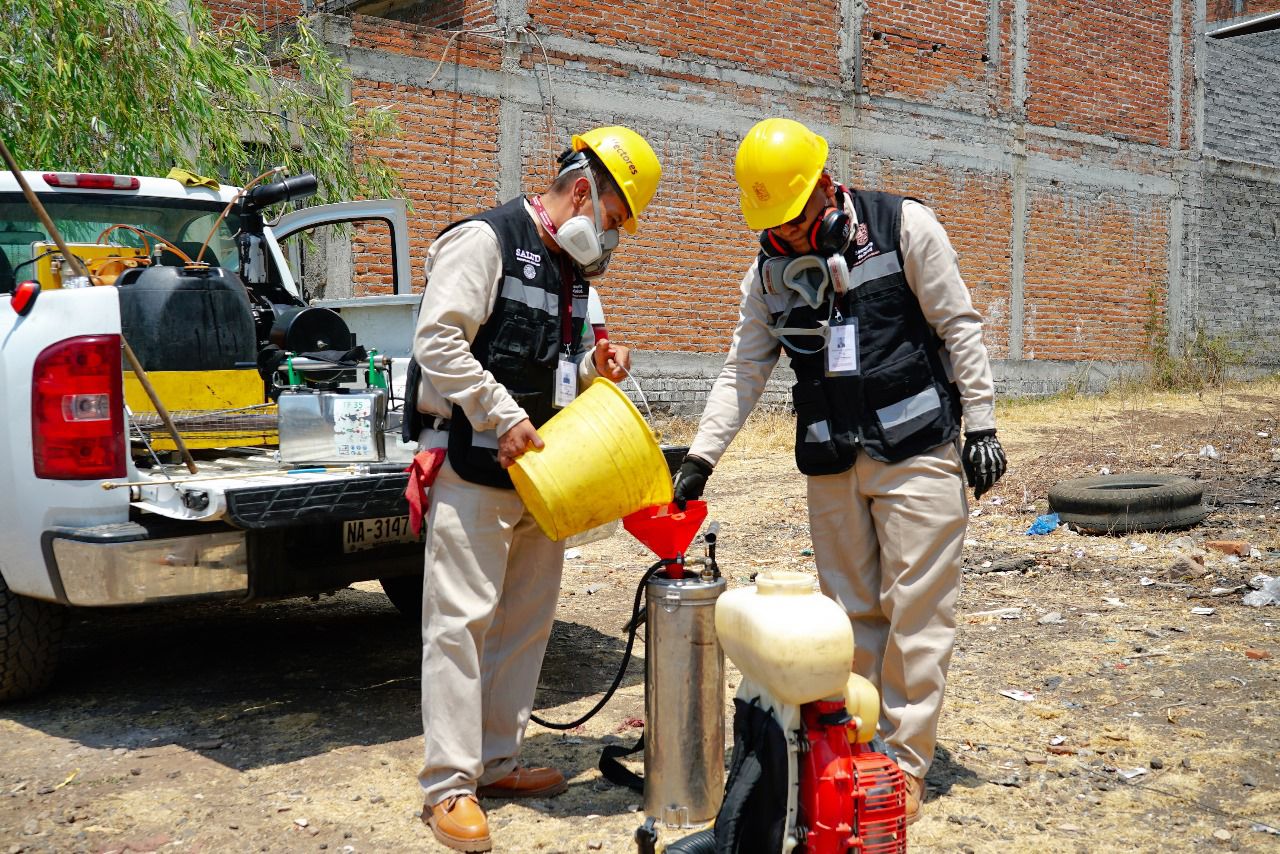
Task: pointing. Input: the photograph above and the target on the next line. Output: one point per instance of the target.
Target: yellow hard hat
(779, 163)
(631, 162)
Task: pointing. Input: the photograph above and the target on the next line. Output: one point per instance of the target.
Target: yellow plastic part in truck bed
(212, 409)
(104, 260)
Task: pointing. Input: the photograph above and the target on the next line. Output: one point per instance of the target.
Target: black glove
(691, 479)
(984, 460)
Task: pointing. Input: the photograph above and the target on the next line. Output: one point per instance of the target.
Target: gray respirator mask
(583, 237)
(815, 281)
(811, 277)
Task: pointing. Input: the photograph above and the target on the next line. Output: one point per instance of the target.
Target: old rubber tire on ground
(30, 637)
(405, 592)
(1127, 503)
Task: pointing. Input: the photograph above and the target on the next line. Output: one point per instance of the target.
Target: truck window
(342, 260)
(82, 217)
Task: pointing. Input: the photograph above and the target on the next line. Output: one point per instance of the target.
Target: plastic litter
(1211, 452)
(1267, 594)
(1002, 613)
(1020, 696)
(1045, 524)
(1202, 612)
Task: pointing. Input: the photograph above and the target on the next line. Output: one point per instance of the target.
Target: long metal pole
(79, 269)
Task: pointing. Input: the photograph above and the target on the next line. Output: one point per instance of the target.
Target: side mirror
(24, 297)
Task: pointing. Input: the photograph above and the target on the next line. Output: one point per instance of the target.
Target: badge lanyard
(566, 370)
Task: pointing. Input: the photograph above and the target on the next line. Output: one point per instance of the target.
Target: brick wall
(1063, 145)
(1101, 70)
(1094, 266)
(918, 52)
(265, 13)
(1225, 10)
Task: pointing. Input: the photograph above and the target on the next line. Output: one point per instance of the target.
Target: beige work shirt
(464, 274)
(933, 274)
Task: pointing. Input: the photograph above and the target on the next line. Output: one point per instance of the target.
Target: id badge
(566, 383)
(842, 348)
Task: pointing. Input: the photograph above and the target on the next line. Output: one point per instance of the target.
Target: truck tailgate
(245, 498)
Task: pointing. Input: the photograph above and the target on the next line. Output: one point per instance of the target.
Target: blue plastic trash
(1046, 524)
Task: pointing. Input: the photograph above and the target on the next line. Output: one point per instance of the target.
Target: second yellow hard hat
(779, 163)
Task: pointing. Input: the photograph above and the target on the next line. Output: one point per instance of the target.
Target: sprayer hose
(626, 655)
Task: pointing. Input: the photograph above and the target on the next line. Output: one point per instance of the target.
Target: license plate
(361, 534)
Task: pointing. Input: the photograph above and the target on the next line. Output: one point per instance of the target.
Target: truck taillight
(77, 402)
(91, 181)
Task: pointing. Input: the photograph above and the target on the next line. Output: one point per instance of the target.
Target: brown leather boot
(459, 823)
(915, 796)
(526, 783)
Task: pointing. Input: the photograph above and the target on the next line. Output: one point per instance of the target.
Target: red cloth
(422, 473)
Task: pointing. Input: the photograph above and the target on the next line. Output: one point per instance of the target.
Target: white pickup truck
(97, 510)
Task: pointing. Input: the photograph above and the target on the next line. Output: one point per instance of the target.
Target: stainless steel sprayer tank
(684, 693)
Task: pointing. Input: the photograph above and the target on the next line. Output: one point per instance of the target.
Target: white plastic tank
(785, 635)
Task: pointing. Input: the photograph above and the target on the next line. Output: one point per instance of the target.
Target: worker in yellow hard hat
(498, 348)
(862, 290)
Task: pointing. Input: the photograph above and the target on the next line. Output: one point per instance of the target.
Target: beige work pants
(887, 540)
(488, 601)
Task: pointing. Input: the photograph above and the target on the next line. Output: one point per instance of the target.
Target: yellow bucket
(600, 463)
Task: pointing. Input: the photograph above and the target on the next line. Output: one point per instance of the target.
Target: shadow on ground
(254, 685)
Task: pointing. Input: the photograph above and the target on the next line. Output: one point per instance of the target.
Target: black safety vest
(901, 402)
(521, 342)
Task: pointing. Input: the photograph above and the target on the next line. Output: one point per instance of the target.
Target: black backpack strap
(617, 773)
(753, 815)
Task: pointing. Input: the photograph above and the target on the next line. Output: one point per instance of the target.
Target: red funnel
(666, 529)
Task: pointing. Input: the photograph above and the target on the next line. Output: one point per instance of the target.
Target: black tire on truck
(1128, 503)
(405, 592)
(30, 638)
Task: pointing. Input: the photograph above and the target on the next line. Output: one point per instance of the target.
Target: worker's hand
(691, 479)
(613, 361)
(513, 443)
(984, 460)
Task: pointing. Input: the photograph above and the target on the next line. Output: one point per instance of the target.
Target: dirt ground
(293, 726)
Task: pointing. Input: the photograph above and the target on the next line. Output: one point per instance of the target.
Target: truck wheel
(30, 637)
(405, 592)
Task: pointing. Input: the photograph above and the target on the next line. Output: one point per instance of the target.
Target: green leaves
(126, 86)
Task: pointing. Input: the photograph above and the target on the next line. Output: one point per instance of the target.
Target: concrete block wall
(1065, 146)
(1242, 99)
(1233, 207)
